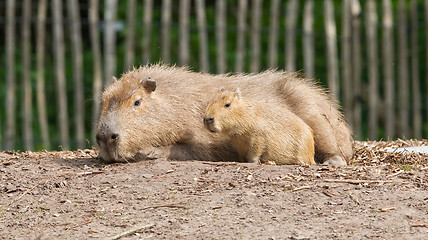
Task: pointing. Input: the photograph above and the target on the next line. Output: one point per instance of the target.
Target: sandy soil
(72, 195)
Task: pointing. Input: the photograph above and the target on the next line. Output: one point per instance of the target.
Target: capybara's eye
(227, 105)
(137, 103)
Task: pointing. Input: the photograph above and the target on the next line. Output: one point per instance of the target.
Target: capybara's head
(223, 110)
(122, 122)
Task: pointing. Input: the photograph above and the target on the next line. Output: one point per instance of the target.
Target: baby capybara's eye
(227, 105)
(137, 103)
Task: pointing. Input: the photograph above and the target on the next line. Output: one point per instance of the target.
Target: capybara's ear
(237, 93)
(221, 89)
(114, 79)
(149, 84)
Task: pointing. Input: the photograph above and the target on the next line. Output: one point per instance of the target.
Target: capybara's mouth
(106, 158)
(212, 128)
(111, 156)
(115, 155)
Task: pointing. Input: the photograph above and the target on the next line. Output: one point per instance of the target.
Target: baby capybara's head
(121, 123)
(223, 110)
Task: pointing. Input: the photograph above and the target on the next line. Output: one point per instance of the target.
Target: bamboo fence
(371, 57)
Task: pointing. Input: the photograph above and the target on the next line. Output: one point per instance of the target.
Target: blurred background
(57, 56)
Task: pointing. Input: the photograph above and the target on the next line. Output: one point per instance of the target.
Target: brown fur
(260, 132)
(168, 121)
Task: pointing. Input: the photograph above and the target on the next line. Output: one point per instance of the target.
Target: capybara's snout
(209, 124)
(106, 137)
(208, 120)
(107, 134)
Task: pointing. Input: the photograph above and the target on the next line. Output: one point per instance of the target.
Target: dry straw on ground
(375, 152)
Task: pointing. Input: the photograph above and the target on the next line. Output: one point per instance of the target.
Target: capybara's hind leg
(335, 160)
(333, 142)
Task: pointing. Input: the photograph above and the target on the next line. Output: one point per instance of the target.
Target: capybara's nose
(114, 136)
(208, 120)
(106, 137)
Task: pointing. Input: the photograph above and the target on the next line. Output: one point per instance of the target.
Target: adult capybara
(156, 111)
(260, 132)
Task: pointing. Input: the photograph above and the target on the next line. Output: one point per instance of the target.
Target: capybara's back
(160, 107)
(260, 132)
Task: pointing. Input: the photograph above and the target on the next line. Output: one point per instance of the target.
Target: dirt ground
(72, 195)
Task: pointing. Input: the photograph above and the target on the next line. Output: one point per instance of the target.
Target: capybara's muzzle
(107, 138)
(209, 123)
(208, 120)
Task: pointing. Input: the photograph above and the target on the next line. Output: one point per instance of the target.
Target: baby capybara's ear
(149, 84)
(237, 93)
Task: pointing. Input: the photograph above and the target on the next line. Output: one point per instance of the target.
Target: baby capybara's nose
(208, 120)
(106, 137)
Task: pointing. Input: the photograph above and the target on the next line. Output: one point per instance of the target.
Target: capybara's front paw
(270, 163)
(336, 161)
(254, 160)
(149, 154)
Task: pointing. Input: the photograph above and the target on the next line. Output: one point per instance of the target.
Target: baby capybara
(260, 132)
(156, 111)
